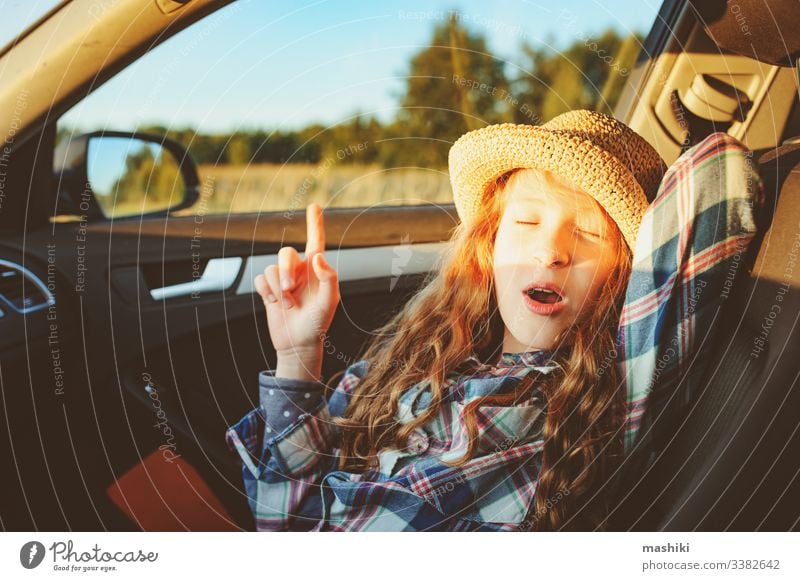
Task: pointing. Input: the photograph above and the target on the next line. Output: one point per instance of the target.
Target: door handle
(218, 275)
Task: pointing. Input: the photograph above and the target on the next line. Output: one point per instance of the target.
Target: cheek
(502, 278)
(503, 247)
(504, 263)
(592, 275)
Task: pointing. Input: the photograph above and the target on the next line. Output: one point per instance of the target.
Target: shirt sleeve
(287, 444)
(690, 247)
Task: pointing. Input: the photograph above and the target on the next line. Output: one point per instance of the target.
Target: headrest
(780, 168)
(766, 31)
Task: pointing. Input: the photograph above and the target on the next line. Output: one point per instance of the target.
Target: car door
(157, 338)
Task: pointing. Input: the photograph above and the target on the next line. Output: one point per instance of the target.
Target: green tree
(454, 85)
(589, 73)
(151, 177)
(238, 152)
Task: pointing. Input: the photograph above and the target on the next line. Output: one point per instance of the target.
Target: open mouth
(544, 299)
(545, 294)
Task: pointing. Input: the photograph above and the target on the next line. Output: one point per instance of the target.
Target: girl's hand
(301, 296)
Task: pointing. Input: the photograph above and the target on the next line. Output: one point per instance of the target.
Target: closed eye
(531, 223)
(589, 233)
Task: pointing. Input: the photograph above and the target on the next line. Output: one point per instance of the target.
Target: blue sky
(275, 64)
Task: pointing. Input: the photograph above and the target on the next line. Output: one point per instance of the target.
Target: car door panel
(193, 359)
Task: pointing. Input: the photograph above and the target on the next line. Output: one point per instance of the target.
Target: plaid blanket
(687, 253)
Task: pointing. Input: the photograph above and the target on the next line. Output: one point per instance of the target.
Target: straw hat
(602, 156)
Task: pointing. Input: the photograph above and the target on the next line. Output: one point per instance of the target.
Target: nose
(552, 249)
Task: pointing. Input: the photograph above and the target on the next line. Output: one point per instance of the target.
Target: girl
(492, 401)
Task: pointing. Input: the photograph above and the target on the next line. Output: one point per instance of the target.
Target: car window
(356, 105)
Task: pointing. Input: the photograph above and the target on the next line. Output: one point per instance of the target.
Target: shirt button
(417, 442)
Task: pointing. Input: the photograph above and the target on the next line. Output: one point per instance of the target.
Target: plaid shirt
(687, 253)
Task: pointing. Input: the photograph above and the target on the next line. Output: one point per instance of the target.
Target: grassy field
(270, 188)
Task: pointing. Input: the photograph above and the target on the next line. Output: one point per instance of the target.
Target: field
(274, 187)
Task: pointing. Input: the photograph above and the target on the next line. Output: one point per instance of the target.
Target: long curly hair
(426, 341)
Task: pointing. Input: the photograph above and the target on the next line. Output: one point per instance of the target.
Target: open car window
(355, 105)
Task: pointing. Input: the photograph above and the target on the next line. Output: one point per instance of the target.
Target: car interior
(109, 328)
(722, 452)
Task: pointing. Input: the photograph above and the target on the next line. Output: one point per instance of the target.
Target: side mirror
(115, 174)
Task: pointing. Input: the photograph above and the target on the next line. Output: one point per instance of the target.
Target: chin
(539, 339)
(538, 331)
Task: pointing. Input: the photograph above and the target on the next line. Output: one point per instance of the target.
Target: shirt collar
(477, 379)
(544, 358)
(534, 358)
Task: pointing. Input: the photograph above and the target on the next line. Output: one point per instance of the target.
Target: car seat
(735, 462)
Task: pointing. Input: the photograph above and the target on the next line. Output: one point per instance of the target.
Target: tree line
(453, 85)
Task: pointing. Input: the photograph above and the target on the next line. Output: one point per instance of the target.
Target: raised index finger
(315, 230)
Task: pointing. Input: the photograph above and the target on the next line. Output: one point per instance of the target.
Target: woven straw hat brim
(479, 157)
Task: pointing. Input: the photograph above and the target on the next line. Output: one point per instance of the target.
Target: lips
(546, 292)
(544, 298)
